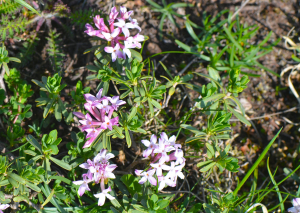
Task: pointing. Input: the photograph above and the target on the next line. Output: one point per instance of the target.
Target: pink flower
(146, 176)
(88, 122)
(111, 36)
(92, 99)
(124, 26)
(99, 22)
(163, 148)
(115, 102)
(103, 157)
(90, 30)
(87, 178)
(296, 204)
(151, 146)
(113, 15)
(168, 141)
(3, 207)
(103, 195)
(115, 52)
(127, 46)
(92, 135)
(135, 23)
(158, 167)
(135, 40)
(104, 105)
(163, 181)
(124, 13)
(109, 123)
(93, 110)
(174, 171)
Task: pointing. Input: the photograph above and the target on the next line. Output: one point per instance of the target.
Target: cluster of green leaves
(4, 59)
(9, 6)
(19, 178)
(43, 152)
(226, 45)
(167, 11)
(51, 88)
(16, 109)
(9, 27)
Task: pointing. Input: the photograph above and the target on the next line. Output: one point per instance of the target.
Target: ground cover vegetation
(96, 117)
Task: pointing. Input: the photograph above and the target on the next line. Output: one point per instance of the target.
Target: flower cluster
(167, 156)
(119, 38)
(3, 207)
(102, 109)
(296, 204)
(99, 171)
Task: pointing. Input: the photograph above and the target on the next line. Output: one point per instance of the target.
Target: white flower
(103, 195)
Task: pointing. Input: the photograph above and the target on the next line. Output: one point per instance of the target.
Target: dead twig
(242, 6)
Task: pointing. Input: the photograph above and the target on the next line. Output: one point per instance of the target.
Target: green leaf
(21, 198)
(48, 107)
(67, 181)
(16, 177)
(191, 32)
(276, 187)
(13, 182)
(150, 107)
(163, 204)
(295, 58)
(262, 155)
(57, 113)
(209, 166)
(6, 68)
(46, 190)
(183, 46)
(61, 163)
(266, 38)
(33, 187)
(191, 128)
(119, 130)
(34, 159)
(49, 197)
(40, 84)
(23, 3)
(125, 94)
(132, 113)
(116, 203)
(136, 55)
(114, 210)
(239, 116)
(34, 143)
(15, 59)
(128, 138)
(30, 152)
(232, 39)
(265, 68)
(214, 73)
(154, 4)
(204, 163)
(4, 182)
(155, 103)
